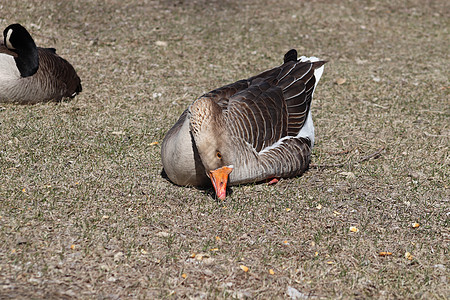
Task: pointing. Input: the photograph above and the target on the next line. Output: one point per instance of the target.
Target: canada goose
(251, 130)
(30, 74)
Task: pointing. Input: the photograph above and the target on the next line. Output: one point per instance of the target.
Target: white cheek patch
(8, 37)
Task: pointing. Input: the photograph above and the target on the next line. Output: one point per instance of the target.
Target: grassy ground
(85, 213)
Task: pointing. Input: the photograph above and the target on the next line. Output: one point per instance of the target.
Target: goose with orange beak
(249, 131)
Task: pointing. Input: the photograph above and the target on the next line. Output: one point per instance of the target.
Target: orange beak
(219, 179)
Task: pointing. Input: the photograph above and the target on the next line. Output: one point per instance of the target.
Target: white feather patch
(307, 130)
(311, 59)
(8, 68)
(317, 72)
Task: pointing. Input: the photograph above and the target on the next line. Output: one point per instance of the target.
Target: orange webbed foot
(273, 181)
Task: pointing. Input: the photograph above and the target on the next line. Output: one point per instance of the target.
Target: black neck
(27, 60)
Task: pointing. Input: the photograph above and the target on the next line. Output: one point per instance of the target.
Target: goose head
(19, 40)
(208, 128)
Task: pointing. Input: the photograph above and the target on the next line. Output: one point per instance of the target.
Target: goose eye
(219, 155)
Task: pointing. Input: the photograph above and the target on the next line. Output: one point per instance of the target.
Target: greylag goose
(30, 74)
(252, 130)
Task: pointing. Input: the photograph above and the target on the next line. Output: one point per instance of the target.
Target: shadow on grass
(207, 189)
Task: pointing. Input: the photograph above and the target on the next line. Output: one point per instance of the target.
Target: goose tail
(318, 71)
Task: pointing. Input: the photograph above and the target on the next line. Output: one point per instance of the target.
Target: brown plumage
(30, 74)
(254, 129)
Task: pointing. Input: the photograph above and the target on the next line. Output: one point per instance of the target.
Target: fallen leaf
(72, 246)
(330, 262)
(153, 143)
(214, 249)
(201, 256)
(118, 256)
(354, 229)
(295, 294)
(161, 43)
(244, 268)
(218, 238)
(184, 275)
(162, 234)
(143, 251)
(438, 266)
(415, 225)
(285, 242)
(271, 272)
(316, 253)
(360, 61)
(349, 175)
(340, 80)
(24, 190)
(241, 295)
(384, 253)
(288, 209)
(193, 254)
(376, 79)
(105, 217)
(408, 256)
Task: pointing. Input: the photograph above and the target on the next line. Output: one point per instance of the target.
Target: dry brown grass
(86, 173)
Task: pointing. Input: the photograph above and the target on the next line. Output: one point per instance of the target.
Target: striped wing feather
(62, 76)
(274, 104)
(259, 113)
